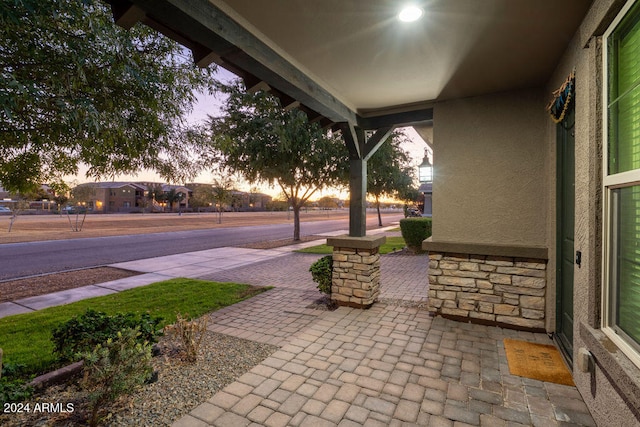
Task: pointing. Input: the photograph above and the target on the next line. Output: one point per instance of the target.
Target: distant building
(115, 197)
(183, 203)
(126, 197)
(244, 201)
(4, 194)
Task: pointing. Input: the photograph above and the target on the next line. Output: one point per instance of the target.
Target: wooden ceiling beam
(291, 105)
(260, 86)
(203, 57)
(204, 23)
(400, 119)
(326, 124)
(126, 14)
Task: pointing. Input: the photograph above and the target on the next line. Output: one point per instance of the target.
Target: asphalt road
(27, 259)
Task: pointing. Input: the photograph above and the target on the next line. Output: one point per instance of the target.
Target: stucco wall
(611, 389)
(489, 169)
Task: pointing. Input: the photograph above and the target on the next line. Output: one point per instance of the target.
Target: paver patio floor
(390, 365)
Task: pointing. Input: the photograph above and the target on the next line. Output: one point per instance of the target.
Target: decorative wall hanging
(562, 97)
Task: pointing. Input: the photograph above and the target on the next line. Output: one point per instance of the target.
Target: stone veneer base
(507, 291)
(356, 270)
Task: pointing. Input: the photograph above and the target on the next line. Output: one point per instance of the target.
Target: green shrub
(82, 333)
(12, 388)
(322, 272)
(115, 368)
(414, 231)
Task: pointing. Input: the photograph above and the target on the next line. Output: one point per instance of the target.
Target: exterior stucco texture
(489, 169)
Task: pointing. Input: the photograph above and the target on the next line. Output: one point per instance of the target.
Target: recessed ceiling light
(410, 14)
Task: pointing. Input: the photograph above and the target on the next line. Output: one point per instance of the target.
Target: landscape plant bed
(180, 387)
(270, 244)
(324, 303)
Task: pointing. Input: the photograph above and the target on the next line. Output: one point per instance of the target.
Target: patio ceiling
(353, 61)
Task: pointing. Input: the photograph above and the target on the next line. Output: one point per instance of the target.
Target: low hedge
(414, 231)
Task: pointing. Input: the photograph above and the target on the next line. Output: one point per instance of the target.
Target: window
(621, 181)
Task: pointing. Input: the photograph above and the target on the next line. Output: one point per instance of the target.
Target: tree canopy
(389, 172)
(77, 89)
(259, 140)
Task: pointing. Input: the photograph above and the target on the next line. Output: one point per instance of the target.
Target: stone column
(356, 270)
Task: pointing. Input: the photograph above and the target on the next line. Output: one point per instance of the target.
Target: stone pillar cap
(366, 242)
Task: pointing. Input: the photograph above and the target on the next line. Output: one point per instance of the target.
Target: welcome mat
(537, 361)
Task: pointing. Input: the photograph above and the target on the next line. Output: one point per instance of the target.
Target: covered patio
(517, 199)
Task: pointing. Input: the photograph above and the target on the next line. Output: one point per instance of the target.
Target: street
(26, 259)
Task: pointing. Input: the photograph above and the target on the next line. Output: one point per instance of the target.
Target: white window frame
(610, 183)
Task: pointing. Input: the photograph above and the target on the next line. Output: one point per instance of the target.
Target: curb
(57, 377)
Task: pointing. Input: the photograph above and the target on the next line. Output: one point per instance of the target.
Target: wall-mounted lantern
(425, 170)
(425, 175)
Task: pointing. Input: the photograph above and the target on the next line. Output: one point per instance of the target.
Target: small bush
(189, 334)
(322, 272)
(414, 231)
(13, 389)
(82, 333)
(115, 368)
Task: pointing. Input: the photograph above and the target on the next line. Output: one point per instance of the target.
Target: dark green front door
(565, 235)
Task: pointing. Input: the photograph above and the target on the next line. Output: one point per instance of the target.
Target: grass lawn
(392, 244)
(26, 338)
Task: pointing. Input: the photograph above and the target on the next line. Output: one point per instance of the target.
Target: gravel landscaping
(181, 386)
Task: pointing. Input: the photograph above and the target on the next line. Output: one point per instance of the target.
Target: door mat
(537, 361)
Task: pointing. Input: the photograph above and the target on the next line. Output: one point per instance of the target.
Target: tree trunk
(296, 222)
(12, 220)
(378, 208)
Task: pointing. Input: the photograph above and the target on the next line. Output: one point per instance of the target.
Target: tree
(20, 206)
(328, 202)
(77, 89)
(81, 196)
(222, 194)
(36, 194)
(389, 171)
(202, 197)
(262, 142)
(61, 191)
(277, 205)
(174, 196)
